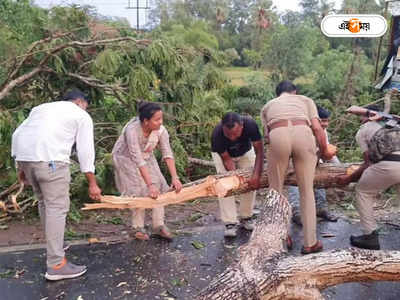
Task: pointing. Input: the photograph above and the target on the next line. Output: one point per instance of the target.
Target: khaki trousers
(297, 142)
(376, 178)
(51, 187)
(227, 205)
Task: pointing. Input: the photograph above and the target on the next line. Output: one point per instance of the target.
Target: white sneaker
(230, 230)
(247, 224)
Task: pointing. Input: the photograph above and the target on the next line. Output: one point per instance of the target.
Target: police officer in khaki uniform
(291, 126)
(372, 178)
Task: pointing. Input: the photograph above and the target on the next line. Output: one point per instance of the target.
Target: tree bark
(201, 162)
(221, 185)
(266, 271)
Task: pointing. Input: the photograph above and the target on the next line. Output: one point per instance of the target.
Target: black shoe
(327, 216)
(297, 219)
(366, 241)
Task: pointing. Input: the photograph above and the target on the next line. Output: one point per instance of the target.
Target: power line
(138, 9)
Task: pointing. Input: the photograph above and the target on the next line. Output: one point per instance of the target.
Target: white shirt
(51, 130)
(335, 159)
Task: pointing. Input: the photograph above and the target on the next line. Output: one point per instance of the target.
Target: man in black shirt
(234, 141)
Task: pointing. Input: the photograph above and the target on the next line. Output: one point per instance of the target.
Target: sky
(119, 7)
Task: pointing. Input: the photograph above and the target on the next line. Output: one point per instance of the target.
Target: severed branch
(30, 52)
(220, 186)
(210, 187)
(14, 202)
(10, 85)
(19, 80)
(16, 207)
(10, 189)
(97, 83)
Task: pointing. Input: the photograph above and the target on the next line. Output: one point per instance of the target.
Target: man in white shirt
(41, 146)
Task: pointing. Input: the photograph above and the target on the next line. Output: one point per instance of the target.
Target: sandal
(140, 234)
(162, 232)
(313, 249)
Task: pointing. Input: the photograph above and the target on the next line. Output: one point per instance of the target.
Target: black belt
(392, 157)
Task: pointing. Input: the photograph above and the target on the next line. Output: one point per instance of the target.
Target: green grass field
(238, 75)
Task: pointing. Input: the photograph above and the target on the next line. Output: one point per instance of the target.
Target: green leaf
(197, 244)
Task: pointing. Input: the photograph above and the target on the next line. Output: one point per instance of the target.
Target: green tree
(289, 51)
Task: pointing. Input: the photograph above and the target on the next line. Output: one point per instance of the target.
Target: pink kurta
(129, 154)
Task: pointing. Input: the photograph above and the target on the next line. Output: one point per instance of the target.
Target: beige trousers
(51, 187)
(227, 205)
(297, 142)
(138, 215)
(376, 178)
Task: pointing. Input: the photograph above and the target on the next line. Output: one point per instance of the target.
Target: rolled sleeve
(132, 141)
(85, 145)
(14, 148)
(362, 140)
(165, 146)
(311, 109)
(15, 140)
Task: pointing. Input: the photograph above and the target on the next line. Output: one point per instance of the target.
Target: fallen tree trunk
(220, 186)
(266, 271)
(201, 162)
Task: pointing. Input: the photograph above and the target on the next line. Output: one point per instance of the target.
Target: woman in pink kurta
(136, 169)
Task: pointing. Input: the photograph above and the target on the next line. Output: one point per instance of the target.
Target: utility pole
(138, 8)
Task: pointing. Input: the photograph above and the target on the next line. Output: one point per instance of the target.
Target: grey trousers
(51, 187)
(294, 199)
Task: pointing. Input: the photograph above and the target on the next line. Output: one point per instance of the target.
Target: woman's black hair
(285, 86)
(230, 118)
(147, 110)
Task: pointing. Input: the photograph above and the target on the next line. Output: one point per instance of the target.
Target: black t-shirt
(250, 133)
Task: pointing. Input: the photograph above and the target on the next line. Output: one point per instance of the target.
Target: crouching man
(236, 144)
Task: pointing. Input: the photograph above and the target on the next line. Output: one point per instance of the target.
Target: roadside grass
(238, 75)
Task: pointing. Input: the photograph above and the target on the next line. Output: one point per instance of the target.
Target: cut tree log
(266, 271)
(221, 185)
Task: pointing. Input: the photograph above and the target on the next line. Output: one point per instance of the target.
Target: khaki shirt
(288, 107)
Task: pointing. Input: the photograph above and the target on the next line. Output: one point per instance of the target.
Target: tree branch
(20, 80)
(9, 85)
